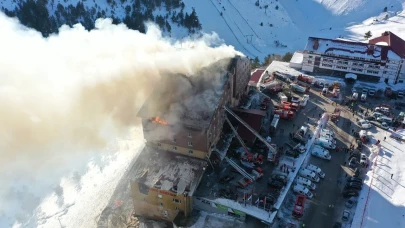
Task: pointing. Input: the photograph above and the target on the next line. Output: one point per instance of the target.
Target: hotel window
(190, 144)
(175, 148)
(177, 208)
(310, 56)
(159, 144)
(160, 204)
(190, 152)
(309, 61)
(189, 135)
(174, 140)
(176, 200)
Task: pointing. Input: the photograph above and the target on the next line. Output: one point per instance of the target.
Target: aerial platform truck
(272, 152)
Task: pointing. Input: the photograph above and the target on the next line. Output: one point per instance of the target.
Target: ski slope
(293, 21)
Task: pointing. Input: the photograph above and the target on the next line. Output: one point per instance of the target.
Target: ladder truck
(272, 154)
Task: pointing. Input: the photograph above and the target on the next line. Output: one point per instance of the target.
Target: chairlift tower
(249, 38)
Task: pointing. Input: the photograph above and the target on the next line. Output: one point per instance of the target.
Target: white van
(305, 182)
(304, 100)
(309, 174)
(328, 138)
(328, 132)
(381, 119)
(326, 135)
(299, 189)
(320, 152)
(384, 110)
(317, 170)
(325, 143)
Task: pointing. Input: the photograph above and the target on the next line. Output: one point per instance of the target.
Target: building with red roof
(381, 59)
(255, 77)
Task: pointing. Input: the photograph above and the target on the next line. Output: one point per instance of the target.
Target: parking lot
(329, 204)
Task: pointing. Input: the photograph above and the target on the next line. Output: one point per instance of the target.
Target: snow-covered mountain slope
(289, 22)
(256, 27)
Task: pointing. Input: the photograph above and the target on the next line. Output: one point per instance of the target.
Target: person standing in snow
(392, 175)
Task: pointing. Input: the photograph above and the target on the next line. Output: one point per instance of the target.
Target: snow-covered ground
(253, 29)
(381, 201)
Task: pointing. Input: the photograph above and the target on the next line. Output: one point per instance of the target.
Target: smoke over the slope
(79, 88)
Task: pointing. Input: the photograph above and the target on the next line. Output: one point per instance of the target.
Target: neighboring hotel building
(381, 59)
(171, 166)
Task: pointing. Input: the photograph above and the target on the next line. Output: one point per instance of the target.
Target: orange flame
(158, 120)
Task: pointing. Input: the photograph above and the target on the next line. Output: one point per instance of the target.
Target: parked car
(317, 170)
(363, 159)
(276, 184)
(280, 178)
(384, 119)
(371, 92)
(369, 118)
(355, 179)
(362, 121)
(363, 97)
(226, 179)
(377, 114)
(353, 163)
(384, 126)
(350, 192)
(366, 126)
(346, 215)
(353, 185)
(350, 203)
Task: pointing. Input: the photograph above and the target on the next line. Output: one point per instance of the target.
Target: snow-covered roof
(382, 43)
(165, 170)
(348, 48)
(297, 58)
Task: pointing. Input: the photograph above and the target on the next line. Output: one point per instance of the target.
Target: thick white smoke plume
(72, 92)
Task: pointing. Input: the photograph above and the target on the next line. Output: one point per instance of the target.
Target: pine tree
(287, 57)
(367, 35)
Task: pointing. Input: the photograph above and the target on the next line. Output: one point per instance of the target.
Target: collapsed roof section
(168, 171)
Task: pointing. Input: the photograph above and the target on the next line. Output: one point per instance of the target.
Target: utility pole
(249, 38)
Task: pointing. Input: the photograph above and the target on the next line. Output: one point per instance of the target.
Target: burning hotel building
(182, 122)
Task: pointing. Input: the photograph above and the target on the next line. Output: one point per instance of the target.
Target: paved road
(328, 192)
